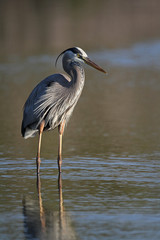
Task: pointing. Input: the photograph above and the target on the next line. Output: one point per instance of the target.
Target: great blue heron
(52, 101)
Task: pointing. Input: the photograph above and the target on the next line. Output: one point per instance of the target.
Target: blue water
(139, 55)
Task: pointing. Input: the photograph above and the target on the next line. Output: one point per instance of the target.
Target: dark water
(111, 152)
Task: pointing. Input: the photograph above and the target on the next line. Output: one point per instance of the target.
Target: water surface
(111, 157)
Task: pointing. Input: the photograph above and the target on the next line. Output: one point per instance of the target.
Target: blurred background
(33, 27)
(122, 36)
(111, 147)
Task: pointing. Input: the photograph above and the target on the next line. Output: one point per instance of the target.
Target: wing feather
(50, 95)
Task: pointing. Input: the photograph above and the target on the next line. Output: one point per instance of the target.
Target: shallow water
(111, 156)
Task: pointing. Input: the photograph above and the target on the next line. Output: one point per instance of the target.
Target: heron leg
(38, 161)
(60, 130)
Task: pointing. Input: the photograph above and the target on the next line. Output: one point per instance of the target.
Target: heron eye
(79, 55)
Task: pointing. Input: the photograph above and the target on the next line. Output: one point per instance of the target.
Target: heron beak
(92, 64)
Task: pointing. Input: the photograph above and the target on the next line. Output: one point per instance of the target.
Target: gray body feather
(53, 100)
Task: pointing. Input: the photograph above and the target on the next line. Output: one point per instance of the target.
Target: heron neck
(77, 74)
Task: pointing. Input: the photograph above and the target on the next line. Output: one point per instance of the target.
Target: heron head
(77, 54)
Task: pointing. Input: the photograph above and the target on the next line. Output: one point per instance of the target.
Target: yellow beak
(94, 65)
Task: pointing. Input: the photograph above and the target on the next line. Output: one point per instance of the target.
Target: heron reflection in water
(42, 223)
(52, 101)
